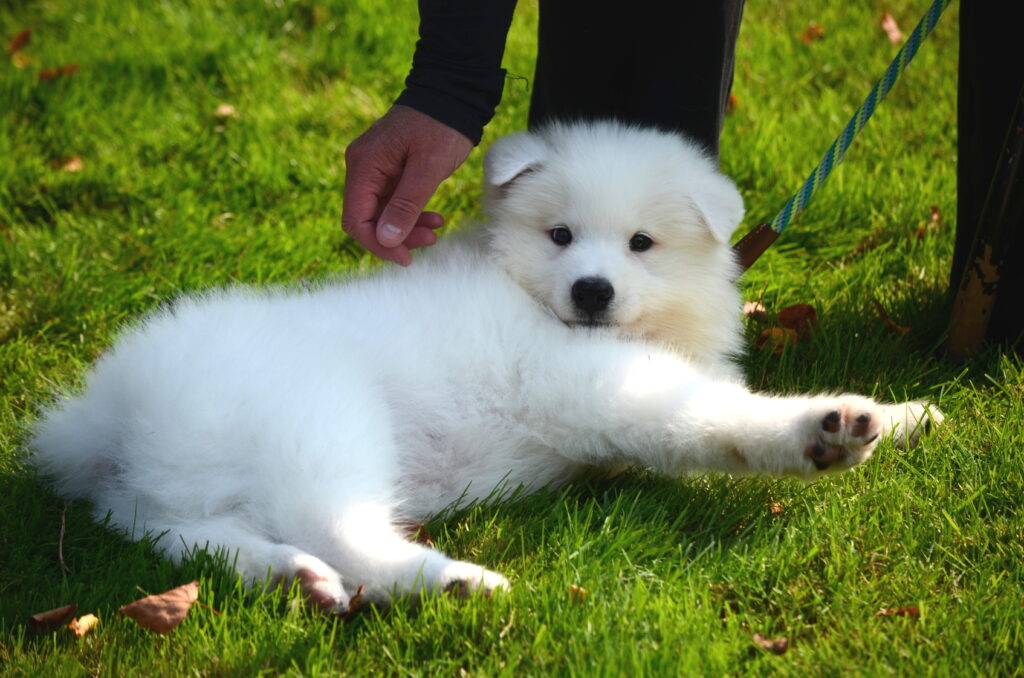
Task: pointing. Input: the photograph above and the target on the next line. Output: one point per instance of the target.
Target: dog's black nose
(592, 295)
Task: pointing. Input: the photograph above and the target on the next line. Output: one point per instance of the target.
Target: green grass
(679, 573)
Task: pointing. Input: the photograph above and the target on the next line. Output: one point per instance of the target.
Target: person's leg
(990, 80)
(668, 65)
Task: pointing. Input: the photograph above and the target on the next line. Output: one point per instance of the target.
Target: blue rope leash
(837, 150)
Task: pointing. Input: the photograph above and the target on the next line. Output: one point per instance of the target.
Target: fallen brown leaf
(889, 323)
(934, 222)
(731, 104)
(801, 318)
(72, 164)
(774, 645)
(908, 611)
(577, 594)
(51, 73)
(225, 112)
(52, 619)
(755, 311)
(83, 624)
(423, 537)
(354, 603)
(775, 507)
(866, 244)
(891, 29)
(163, 612)
(814, 32)
(776, 339)
(417, 532)
(19, 41)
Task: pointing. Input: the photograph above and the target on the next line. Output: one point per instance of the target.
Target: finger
(405, 206)
(363, 203)
(431, 220)
(422, 234)
(400, 255)
(420, 237)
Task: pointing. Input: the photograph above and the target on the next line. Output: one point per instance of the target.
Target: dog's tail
(74, 445)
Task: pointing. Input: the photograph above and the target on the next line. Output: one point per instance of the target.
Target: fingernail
(389, 235)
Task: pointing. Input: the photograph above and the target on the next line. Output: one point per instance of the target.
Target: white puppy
(591, 325)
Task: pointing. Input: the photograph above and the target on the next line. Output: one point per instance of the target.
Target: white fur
(303, 429)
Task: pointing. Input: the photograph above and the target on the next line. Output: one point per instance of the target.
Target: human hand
(392, 170)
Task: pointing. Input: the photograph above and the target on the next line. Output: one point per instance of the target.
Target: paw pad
(845, 435)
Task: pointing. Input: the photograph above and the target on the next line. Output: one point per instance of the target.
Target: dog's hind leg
(372, 551)
(255, 557)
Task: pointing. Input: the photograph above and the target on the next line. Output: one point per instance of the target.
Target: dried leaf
(908, 611)
(889, 323)
(755, 311)
(52, 619)
(866, 244)
(774, 645)
(731, 104)
(417, 532)
(225, 112)
(934, 222)
(577, 594)
(776, 339)
(423, 537)
(354, 603)
(220, 221)
(21, 60)
(163, 612)
(801, 318)
(814, 32)
(775, 507)
(19, 41)
(83, 624)
(891, 29)
(72, 164)
(52, 73)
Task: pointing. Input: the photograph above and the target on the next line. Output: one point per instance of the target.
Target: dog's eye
(640, 242)
(561, 236)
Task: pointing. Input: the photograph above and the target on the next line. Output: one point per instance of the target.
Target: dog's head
(619, 226)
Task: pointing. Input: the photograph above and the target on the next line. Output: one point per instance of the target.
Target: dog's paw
(463, 579)
(907, 422)
(321, 586)
(841, 432)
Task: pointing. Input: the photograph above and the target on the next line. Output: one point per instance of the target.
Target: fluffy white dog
(590, 325)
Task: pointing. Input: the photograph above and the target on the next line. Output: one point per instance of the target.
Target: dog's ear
(512, 156)
(720, 203)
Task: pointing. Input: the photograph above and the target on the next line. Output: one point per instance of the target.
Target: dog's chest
(474, 445)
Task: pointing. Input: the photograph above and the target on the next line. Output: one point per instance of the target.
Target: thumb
(403, 209)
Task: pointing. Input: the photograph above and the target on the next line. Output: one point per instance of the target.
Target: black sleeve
(456, 74)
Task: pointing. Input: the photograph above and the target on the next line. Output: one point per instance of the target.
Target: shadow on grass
(853, 349)
(56, 553)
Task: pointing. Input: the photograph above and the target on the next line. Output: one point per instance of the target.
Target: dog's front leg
(617, 404)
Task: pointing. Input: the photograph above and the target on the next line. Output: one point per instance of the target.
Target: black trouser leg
(991, 79)
(652, 62)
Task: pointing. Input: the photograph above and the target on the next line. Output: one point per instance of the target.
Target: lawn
(126, 181)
